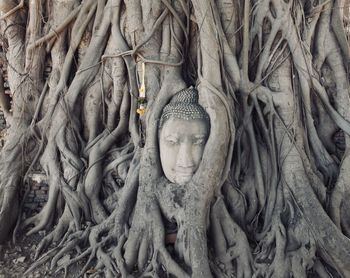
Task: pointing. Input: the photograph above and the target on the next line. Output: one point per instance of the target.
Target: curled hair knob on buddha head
(184, 105)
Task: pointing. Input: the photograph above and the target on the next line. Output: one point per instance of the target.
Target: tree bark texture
(271, 195)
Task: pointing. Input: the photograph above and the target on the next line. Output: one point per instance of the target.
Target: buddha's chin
(183, 179)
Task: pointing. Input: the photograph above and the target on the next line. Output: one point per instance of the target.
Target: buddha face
(181, 146)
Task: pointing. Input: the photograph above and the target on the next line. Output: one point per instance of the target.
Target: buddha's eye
(172, 141)
(199, 141)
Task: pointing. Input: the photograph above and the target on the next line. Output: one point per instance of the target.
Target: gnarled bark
(269, 198)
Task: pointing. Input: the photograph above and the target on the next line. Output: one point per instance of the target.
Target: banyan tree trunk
(270, 196)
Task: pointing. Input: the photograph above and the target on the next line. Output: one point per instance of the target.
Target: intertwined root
(12, 174)
(107, 201)
(231, 246)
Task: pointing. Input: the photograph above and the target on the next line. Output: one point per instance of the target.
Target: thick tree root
(276, 73)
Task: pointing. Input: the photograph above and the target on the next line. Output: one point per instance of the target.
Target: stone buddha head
(183, 132)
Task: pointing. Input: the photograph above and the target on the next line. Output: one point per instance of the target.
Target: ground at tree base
(16, 259)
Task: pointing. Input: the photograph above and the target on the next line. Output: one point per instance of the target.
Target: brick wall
(37, 196)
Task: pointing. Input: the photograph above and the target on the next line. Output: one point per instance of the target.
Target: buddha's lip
(185, 173)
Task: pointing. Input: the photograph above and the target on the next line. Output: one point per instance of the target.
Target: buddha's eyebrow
(200, 136)
(171, 136)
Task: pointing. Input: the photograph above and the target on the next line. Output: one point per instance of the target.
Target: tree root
(279, 198)
(146, 244)
(271, 260)
(230, 243)
(11, 173)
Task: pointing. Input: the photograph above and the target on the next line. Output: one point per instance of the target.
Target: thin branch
(12, 11)
(245, 47)
(58, 30)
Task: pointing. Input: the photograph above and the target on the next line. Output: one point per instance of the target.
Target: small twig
(156, 25)
(56, 31)
(40, 102)
(176, 16)
(160, 62)
(12, 11)
(245, 48)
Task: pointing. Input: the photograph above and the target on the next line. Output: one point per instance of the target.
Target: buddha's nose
(185, 157)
